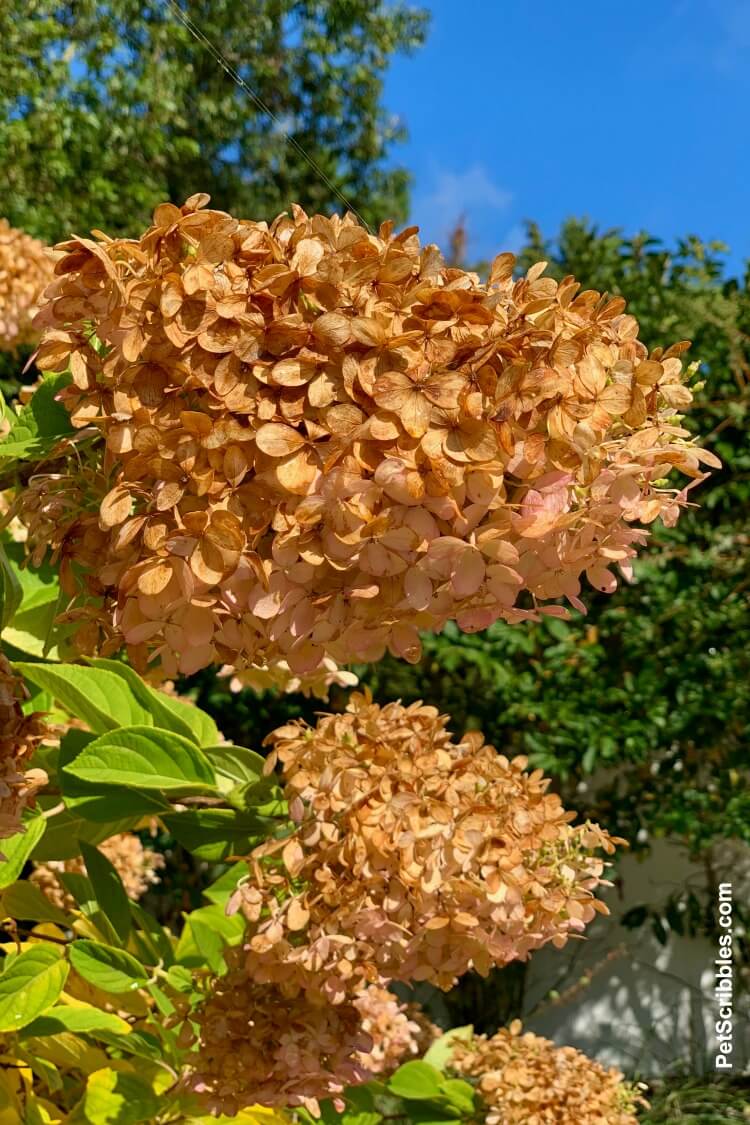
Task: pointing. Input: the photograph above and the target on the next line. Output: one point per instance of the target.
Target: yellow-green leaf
(17, 849)
(30, 985)
(115, 1097)
(105, 967)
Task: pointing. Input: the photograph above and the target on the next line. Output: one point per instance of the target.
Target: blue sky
(635, 114)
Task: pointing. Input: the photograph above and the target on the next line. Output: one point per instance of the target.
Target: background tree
(108, 108)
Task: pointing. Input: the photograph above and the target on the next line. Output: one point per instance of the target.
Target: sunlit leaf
(110, 969)
(30, 985)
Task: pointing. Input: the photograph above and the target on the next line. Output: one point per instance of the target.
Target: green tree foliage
(107, 109)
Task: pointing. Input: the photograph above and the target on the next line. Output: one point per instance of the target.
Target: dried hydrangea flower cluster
(320, 441)
(413, 857)
(26, 267)
(258, 1046)
(137, 866)
(279, 677)
(526, 1080)
(19, 737)
(397, 1030)
(11, 524)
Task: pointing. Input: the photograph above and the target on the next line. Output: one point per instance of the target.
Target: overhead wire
(237, 78)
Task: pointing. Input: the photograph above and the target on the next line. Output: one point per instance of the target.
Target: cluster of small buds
(26, 267)
(137, 867)
(320, 441)
(526, 1080)
(20, 735)
(413, 858)
(280, 678)
(397, 1030)
(258, 1046)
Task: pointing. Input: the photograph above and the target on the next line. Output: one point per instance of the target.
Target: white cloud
(513, 240)
(734, 24)
(470, 194)
(698, 35)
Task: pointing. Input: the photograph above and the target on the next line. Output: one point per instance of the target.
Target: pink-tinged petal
(474, 620)
(405, 643)
(556, 481)
(442, 555)
(198, 625)
(468, 574)
(504, 594)
(560, 611)
(399, 482)
(145, 631)
(305, 657)
(303, 618)
(625, 491)
(626, 570)
(377, 560)
(195, 658)
(266, 605)
(602, 579)
(418, 589)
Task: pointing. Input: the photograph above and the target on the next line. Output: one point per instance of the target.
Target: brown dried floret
(257, 1046)
(25, 269)
(321, 441)
(414, 857)
(398, 1031)
(526, 1080)
(19, 737)
(137, 866)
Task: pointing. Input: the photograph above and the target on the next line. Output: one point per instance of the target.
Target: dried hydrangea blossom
(526, 1080)
(397, 1030)
(320, 441)
(10, 523)
(414, 857)
(137, 866)
(256, 1046)
(19, 737)
(26, 268)
(279, 677)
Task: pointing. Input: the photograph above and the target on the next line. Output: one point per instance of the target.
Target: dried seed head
(413, 857)
(320, 441)
(524, 1079)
